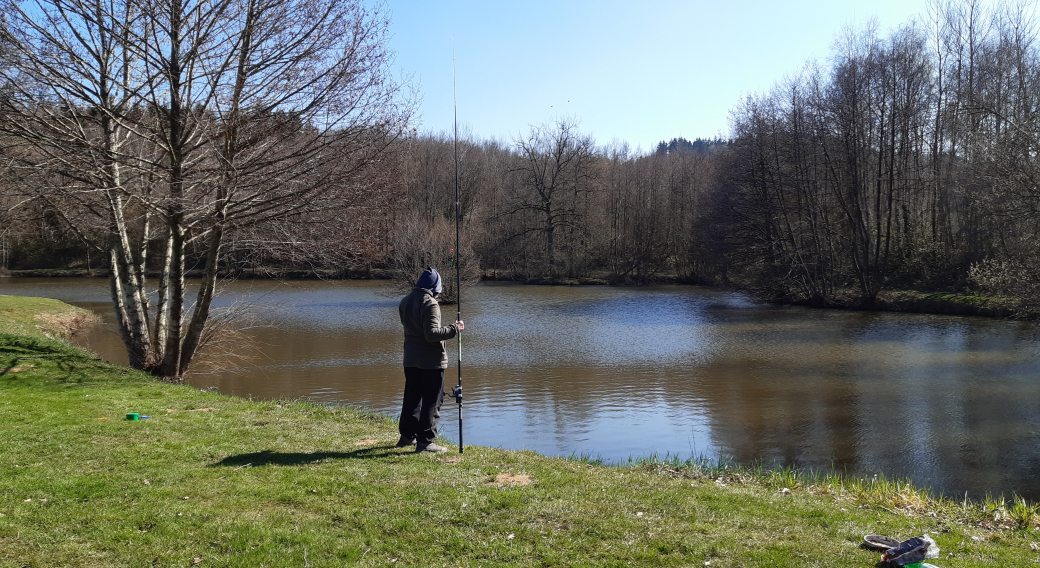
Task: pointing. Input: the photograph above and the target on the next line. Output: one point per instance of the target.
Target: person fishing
(424, 362)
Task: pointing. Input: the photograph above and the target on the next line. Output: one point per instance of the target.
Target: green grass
(951, 303)
(212, 480)
(40, 317)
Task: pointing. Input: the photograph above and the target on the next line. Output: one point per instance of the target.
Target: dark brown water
(952, 402)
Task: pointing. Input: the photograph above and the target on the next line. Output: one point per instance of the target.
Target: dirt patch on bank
(506, 479)
(64, 324)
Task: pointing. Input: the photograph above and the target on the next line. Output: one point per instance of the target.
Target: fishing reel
(456, 392)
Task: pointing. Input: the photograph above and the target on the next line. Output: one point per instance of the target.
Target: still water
(951, 402)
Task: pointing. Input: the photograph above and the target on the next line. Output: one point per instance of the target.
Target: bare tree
(418, 243)
(553, 171)
(424, 218)
(170, 124)
(642, 238)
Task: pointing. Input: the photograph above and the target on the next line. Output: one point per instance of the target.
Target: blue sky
(639, 72)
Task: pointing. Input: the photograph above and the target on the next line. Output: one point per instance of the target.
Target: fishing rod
(457, 391)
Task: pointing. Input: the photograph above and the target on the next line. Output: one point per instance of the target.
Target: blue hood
(430, 280)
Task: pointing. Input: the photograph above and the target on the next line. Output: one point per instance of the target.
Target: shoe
(405, 442)
(431, 449)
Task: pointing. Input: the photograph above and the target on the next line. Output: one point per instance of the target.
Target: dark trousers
(421, 409)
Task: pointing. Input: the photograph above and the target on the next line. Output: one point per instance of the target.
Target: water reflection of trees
(948, 405)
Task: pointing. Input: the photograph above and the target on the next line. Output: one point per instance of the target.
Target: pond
(617, 373)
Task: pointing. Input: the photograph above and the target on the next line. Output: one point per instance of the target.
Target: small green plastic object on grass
(133, 416)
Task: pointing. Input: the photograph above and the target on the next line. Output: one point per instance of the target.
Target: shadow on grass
(31, 346)
(19, 350)
(267, 457)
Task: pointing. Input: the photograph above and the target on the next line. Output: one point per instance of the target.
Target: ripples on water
(621, 372)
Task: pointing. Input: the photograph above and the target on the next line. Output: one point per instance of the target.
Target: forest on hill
(907, 160)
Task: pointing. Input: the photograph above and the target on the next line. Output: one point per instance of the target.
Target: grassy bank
(212, 480)
(952, 303)
(911, 301)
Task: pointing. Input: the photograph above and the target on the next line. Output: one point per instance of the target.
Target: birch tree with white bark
(160, 127)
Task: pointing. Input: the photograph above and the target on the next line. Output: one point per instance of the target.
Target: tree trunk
(197, 326)
(171, 362)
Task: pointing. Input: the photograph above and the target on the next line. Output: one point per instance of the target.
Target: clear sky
(636, 71)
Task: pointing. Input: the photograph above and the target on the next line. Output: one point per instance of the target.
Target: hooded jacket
(423, 335)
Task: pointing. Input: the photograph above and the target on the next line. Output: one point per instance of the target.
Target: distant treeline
(908, 160)
(911, 161)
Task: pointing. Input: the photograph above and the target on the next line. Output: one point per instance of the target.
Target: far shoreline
(902, 301)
